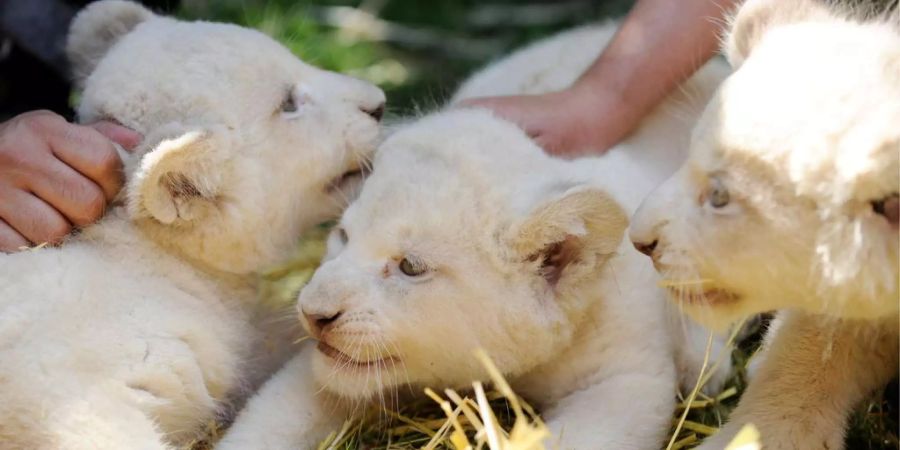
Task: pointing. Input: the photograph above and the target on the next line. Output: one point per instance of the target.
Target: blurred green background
(417, 51)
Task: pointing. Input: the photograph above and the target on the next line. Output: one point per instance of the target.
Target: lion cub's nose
(645, 247)
(376, 113)
(320, 323)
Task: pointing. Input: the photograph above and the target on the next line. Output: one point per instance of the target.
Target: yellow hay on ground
(496, 419)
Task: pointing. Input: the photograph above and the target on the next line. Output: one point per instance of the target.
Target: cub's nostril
(321, 322)
(377, 113)
(646, 248)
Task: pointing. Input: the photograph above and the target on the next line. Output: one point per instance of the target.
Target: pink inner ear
(556, 257)
(889, 207)
(179, 186)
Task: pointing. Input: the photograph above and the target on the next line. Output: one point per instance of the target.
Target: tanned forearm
(658, 46)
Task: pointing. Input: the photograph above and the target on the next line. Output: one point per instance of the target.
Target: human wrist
(600, 114)
(596, 98)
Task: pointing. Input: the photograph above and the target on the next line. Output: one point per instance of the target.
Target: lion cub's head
(789, 197)
(245, 145)
(465, 236)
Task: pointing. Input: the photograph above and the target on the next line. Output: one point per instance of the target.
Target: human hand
(567, 123)
(55, 175)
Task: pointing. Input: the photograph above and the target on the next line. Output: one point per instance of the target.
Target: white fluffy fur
(804, 137)
(471, 197)
(801, 175)
(140, 329)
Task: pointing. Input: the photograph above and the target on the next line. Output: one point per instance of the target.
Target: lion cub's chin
(347, 186)
(719, 303)
(714, 306)
(357, 377)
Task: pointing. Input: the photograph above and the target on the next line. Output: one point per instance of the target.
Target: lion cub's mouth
(347, 181)
(347, 361)
(702, 297)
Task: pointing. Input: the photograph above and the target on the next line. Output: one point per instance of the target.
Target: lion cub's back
(548, 65)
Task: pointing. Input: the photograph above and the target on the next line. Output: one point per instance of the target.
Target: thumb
(123, 136)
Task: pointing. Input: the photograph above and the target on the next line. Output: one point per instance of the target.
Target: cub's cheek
(362, 136)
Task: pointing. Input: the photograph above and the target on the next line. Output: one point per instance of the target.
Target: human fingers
(126, 137)
(90, 153)
(10, 239)
(31, 217)
(78, 198)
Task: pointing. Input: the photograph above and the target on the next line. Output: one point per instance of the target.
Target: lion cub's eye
(717, 194)
(289, 105)
(412, 266)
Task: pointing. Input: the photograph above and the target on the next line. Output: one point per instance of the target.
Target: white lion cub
(137, 331)
(789, 201)
(468, 236)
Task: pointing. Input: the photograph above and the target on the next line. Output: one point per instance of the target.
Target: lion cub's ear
(96, 29)
(581, 225)
(756, 17)
(181, 178)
